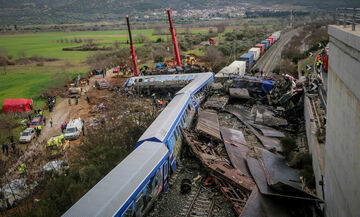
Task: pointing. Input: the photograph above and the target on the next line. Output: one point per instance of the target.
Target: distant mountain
(80, 11)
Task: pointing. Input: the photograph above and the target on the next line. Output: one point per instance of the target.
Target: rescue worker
(50, 122)
(76, 100)
(13, 146)
(69, 101)
(84, 92)
(39, 127)
(83, 127)
(22, 169)
(5, 148)
(29, 116)
(40, 113)
(88, 99)
(44, 120)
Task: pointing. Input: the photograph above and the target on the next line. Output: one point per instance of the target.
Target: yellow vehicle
(57, 145)
(75, 88)
(189, 60)
(74, 91)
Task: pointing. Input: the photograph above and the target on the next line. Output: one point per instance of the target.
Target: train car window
(140, 80)
(128, 212)
(139, 203)
(173, 139)
(166, 168)
(176, 133)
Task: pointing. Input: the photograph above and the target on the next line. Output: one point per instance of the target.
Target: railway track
(272, 57)
(200, 204)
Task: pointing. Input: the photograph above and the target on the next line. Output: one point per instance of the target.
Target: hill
(80, 11)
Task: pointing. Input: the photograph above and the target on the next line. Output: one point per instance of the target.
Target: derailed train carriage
(132, 186)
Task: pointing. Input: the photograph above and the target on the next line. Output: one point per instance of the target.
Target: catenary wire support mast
(133, 55)
(173, 35)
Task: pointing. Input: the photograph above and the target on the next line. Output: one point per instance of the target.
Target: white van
(73, 129)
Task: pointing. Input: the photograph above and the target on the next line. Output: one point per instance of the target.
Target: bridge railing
(348, 16)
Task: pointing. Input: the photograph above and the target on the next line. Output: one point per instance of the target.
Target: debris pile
(239, 145)
(14, 191)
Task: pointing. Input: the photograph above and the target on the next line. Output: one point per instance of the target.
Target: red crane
(133, 55)
(173, 35)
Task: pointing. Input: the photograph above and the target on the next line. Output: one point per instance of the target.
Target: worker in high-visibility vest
(22, 169)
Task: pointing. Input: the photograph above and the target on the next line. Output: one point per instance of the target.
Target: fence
(348, 16)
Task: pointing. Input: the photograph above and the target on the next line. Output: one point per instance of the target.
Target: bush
(289, 145)
(158, 59)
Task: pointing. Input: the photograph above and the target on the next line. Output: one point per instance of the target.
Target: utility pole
(291, 19)
(234, 49)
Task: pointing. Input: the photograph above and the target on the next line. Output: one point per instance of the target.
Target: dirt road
(272, 56)
(34, 155)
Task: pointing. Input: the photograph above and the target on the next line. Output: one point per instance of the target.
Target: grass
(46, 44)
(30, 81)
(307, 61)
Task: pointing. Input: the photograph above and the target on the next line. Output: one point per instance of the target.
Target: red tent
(17, 105)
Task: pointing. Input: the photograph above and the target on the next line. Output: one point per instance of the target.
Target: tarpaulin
(267, 86)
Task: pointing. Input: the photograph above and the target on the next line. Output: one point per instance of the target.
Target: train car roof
(195, 85)
(171, 77)
(116, 188)
(162, 125)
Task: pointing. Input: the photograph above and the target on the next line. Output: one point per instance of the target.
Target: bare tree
(213, 57)
(221, 27)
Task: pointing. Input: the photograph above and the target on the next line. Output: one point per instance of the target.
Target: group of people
(51, 103)
(5, 146)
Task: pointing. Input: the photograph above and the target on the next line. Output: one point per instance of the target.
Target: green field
(46, 44)
(29, 81)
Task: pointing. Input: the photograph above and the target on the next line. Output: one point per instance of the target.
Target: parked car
(27, 135)
(101, 84)
(35, 122)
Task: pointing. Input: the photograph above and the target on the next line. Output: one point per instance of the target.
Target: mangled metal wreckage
(256, 180)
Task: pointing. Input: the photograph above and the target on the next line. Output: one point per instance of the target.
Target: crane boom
(133, 55)
(173, 35)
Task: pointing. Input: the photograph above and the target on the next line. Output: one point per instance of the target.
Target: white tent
(256, 51)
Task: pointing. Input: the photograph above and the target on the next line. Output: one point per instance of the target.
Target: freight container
(249, 58)
(256, 52)
(235, 68)
(269, 40)
(276, 35)
(266, 43)
(273, 38)
(262, 48)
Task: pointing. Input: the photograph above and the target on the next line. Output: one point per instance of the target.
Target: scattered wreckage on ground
(255, 179)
